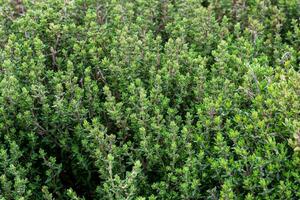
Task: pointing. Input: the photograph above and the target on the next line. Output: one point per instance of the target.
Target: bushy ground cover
(149, 99)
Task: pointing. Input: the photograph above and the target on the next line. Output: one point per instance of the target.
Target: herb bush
(149, 99)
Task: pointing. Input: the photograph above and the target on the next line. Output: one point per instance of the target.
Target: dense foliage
(149, 99)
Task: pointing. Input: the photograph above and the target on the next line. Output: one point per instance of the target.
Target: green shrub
(149, 99)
